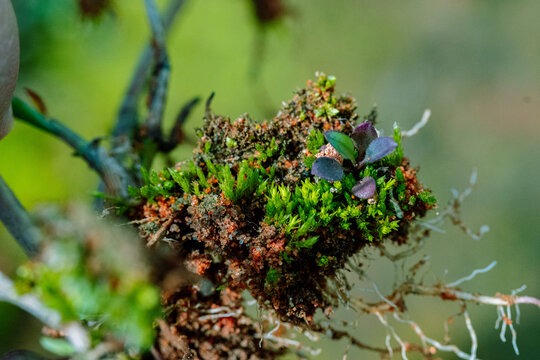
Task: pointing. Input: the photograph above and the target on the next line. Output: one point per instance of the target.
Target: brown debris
(199, 327)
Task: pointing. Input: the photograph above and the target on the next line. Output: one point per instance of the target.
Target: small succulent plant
(364, 146)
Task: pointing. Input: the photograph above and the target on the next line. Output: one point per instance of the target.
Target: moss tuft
(250, 200)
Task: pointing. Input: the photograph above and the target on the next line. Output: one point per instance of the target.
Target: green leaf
(342, 143)
(146, 178)
(154, 178)
(427, 197)
(308, 243)
(59, 347)
(211, 167)
(332, 111)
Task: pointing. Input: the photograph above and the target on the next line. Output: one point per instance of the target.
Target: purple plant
(361, 148)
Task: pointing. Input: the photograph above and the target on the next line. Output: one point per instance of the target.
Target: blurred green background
(475, 64)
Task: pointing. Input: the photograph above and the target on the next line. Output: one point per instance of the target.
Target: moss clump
(249, 199)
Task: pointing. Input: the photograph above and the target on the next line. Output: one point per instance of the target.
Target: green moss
(322, 261)
(395, 158)
(272, 277)
(325, 82)
(427, 197)
(281, 224)
(313, 205)
(231, 143)
(124, 304)
(314, 142)
(266, 152)
(326, 110)
(303, 207)
(307, 206)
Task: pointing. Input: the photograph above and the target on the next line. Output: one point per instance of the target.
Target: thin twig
(17, 221)
(160, 76)
(159, 234)
(514, 293)
(176, 135)
(74, 332)
(403, 254)
(127, 119)
(114, 176)
(512, 330)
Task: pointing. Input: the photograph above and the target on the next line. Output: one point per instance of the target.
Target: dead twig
(160, 74)
(127, 118)
(159, 234)
(176, 135)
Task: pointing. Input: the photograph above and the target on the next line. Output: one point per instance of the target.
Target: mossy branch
(114, 176)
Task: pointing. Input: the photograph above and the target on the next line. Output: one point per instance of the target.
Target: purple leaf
(378, 149)
(342, 143)
(365, 188)
(327, 168)
(363, 135)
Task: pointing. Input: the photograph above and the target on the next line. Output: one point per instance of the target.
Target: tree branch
(159, 82)
(17, 221)
(114, 176)
(127, 119)
(160, 76)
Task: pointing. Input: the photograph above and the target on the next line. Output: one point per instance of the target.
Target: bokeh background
(475, 64)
